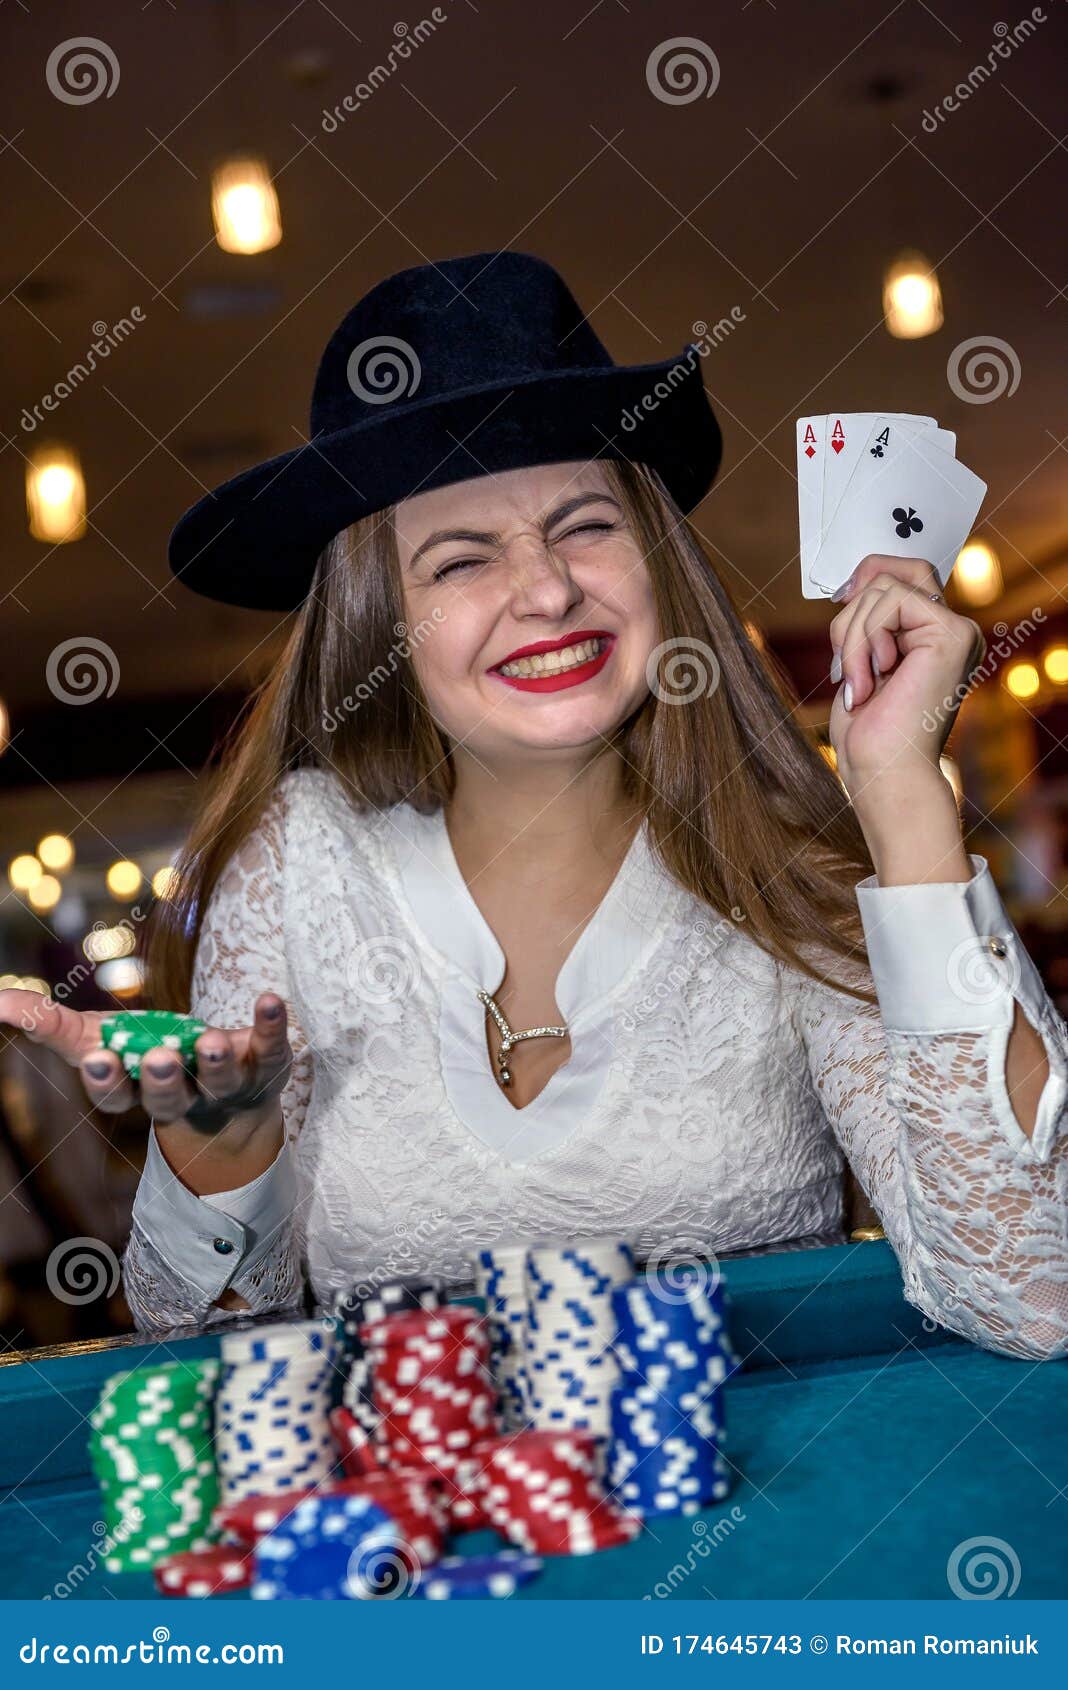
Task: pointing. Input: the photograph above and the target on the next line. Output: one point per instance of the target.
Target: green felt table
(866, 1450)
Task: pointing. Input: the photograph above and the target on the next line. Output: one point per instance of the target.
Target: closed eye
(473, 562)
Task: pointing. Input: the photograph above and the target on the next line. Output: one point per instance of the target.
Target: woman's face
(532, 558)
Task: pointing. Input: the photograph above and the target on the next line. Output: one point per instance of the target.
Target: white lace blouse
(708, 1102)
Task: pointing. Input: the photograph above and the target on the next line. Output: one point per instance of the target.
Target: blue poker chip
(499, 1574)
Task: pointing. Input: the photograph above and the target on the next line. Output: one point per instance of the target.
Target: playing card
(859, 439)
(917, 501)
(810, 438)
(836, 439)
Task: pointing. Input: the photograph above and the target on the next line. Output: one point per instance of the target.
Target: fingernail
(272, 1011)
(836, 668)
(843, 591)
(847, 695)
(216, 1055)
(99, 1070)
(159, 1072)
(875, 665)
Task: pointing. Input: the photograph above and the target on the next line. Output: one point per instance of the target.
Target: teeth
(554, 662)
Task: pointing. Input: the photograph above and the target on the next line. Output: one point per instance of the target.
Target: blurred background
(849, 208)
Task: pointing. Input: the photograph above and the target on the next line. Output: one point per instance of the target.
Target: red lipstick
(569, 677)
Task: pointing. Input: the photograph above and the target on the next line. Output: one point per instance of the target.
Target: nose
(541, 584)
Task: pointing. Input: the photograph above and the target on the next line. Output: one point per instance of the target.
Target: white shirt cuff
(212, 1242)
(945, 957)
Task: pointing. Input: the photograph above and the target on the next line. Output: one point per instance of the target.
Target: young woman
(521, 771)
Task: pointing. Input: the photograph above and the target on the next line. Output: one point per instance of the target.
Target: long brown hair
(742, 807)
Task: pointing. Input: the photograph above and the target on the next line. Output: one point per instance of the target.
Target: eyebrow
(474, 537)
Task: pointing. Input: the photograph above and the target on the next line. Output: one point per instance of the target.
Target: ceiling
(783, 195)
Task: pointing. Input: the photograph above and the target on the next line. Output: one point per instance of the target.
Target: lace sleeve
(171, 1274)
(976, 1213)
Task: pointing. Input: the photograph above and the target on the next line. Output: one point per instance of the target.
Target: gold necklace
(508, 1038)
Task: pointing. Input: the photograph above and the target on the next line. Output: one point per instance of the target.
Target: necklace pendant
(510, 1038)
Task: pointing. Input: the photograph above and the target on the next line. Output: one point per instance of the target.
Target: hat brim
(255, 539)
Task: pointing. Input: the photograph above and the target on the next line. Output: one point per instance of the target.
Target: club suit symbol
(877, 450)
(907, 522)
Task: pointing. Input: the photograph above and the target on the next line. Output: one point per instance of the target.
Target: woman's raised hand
(240, 1073)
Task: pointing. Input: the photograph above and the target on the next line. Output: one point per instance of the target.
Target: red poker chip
(204, 1572)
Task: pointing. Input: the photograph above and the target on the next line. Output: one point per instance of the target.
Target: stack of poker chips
(499, 1574)
(360, 1306)
(151, 1450)
(204, 1572)
(333, 1546)
(434, 1398)
(667, 1420)
(500, 1280)
(542, 1491)
(410, 1499)
(272, 1428)
(132, 1033)
(570, 1367)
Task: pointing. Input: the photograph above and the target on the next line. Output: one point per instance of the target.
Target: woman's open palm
(240, 1072)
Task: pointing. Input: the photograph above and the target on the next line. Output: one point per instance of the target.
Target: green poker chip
(134, 1032)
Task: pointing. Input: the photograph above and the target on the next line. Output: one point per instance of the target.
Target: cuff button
(996, 946)
(223, 1246)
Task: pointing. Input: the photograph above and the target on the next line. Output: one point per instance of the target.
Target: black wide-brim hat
(468, 367)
